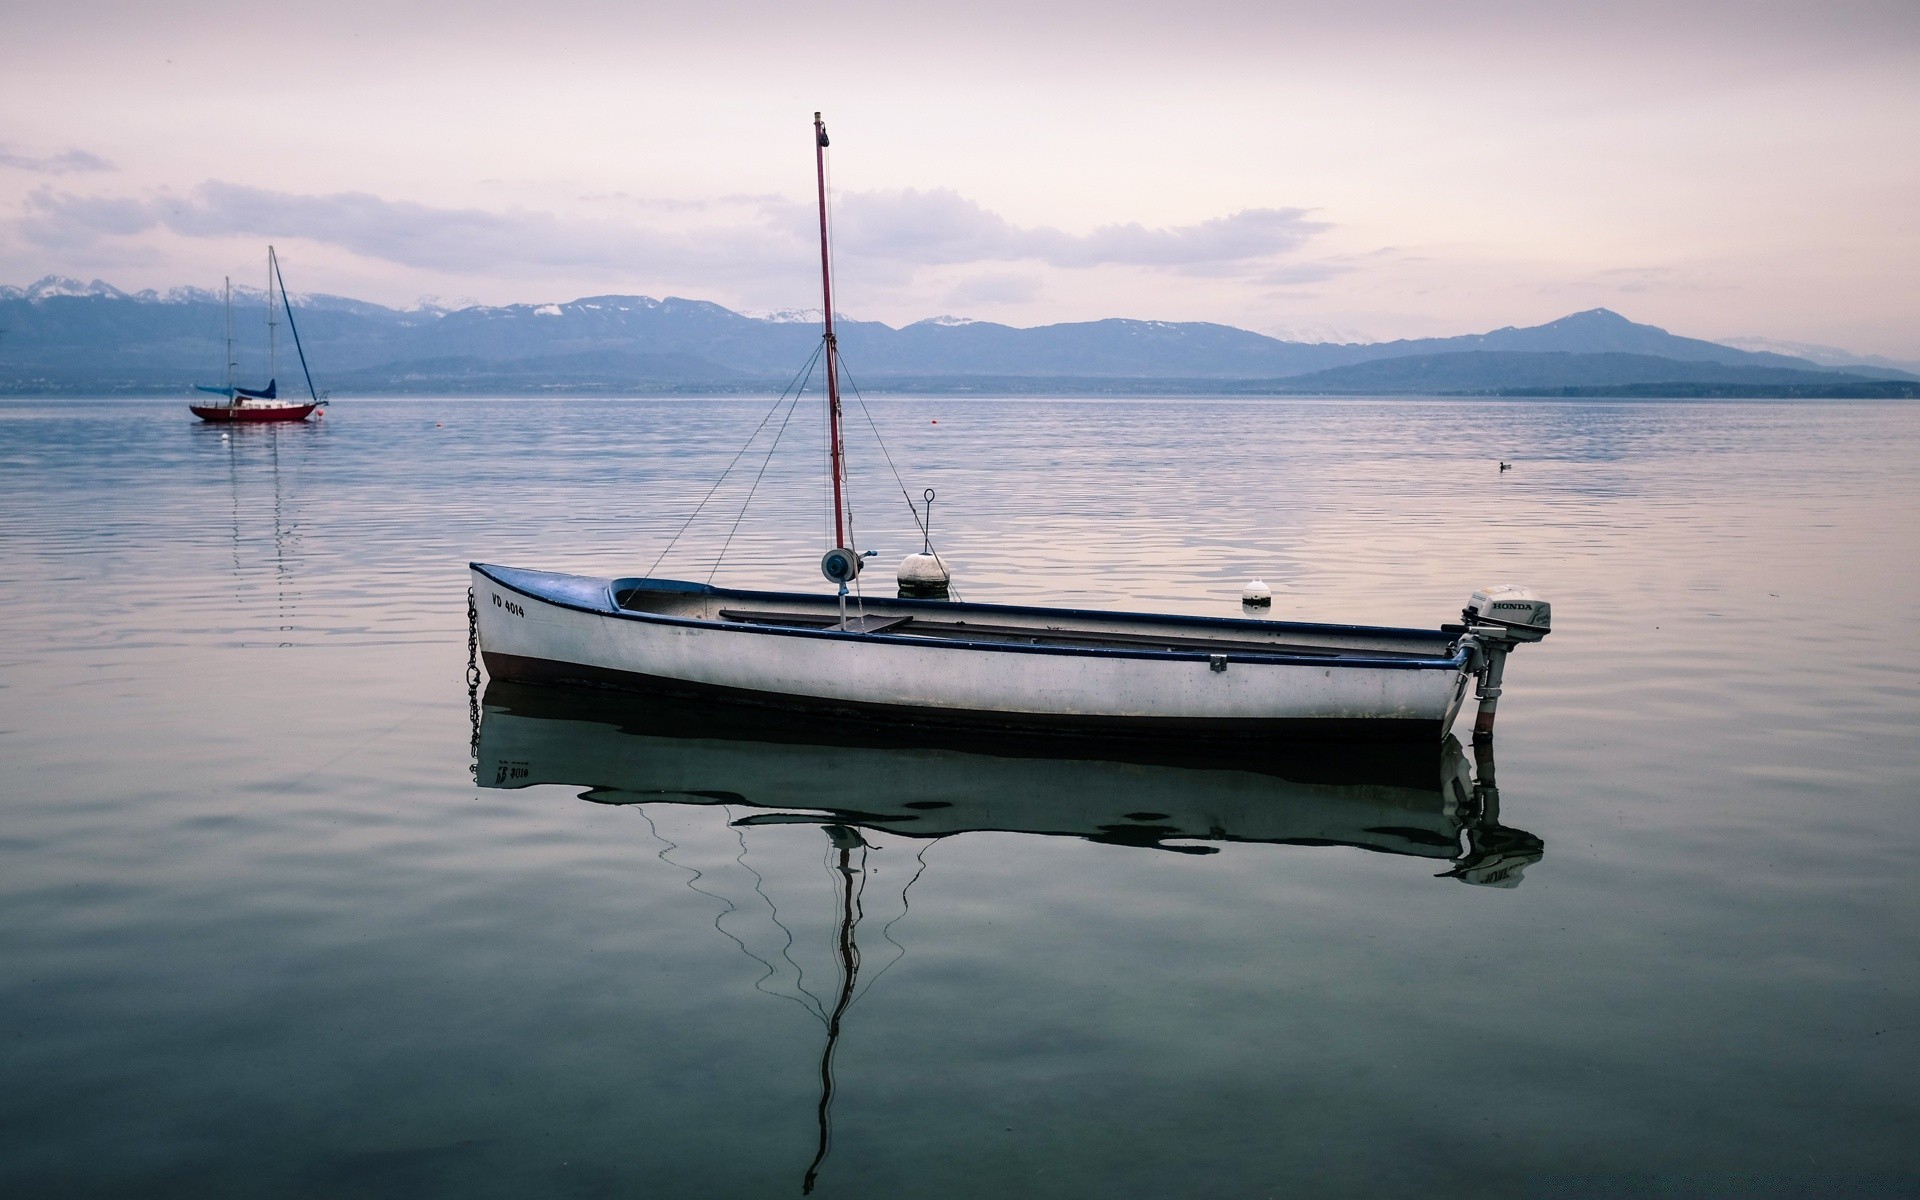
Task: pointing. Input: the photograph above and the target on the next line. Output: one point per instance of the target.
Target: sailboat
(261, 404)
(851, 657)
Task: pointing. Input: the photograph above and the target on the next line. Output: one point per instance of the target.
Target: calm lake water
(263, 933)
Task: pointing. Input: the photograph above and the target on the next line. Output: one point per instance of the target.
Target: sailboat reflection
(253, 449)
(663, 757)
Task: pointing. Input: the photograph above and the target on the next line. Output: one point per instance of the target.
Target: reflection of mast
(247, 531)
(845, 842)
(233, 477)
(280, 535)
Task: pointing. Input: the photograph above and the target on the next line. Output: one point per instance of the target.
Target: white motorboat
(988, 666)
(926, 662)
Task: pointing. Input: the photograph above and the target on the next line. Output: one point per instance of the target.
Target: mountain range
(59, 336)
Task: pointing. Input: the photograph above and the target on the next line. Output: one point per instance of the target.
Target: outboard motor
(1498, 618)
(1525, 616)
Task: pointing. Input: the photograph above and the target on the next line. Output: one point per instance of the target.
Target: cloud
(999, 287)
(895, 232)
(63, 163)
(461, 240)
(1613, 281)
(942, 227)
(1293, 274)
(70, 223)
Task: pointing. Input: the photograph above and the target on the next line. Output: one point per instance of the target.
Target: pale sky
(1377, 170)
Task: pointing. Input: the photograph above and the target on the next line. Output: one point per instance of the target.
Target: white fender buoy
(1256, 595)
(924, 577)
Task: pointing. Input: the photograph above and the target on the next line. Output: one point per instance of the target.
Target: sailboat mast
(273, 357)
(293, 326)
(232, 396)
(839, 462)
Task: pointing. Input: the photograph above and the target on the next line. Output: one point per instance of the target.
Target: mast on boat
(273, 326)
(233, 397)
(838, 454)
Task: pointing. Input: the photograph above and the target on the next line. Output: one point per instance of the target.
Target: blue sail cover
(270, 392)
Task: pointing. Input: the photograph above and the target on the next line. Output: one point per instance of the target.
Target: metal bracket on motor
(1490, 651)
(1498, 619)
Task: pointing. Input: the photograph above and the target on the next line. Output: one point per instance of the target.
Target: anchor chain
(473, 687)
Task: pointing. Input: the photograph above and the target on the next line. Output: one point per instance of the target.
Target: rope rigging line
(853, 536)
(796, 386)
(695, 875)
(288, 305)
(826, 485)
(925, 533)
(786, 951)
(886, 931)
(758, 475)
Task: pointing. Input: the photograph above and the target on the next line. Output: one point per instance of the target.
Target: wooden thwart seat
(916, 626)
(799, 620)
(871, 624)
(862, 623)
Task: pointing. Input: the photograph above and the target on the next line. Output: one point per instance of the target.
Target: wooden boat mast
(233, 397)
(838, 460)
(273, 326)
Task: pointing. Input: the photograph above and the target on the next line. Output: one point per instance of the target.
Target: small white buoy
(924, 577)
(1256, 595)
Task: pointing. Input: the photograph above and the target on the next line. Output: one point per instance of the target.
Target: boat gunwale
(1456, 661)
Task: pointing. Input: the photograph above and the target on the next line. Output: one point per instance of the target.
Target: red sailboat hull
(278, 412)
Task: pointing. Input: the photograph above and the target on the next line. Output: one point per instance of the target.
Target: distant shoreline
(1116, 391)
(1890, 389)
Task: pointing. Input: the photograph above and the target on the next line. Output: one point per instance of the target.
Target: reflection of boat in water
(668, 759)
(1423, 802)
(249, 458)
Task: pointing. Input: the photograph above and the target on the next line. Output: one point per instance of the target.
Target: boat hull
(541, 627)
(228, 414)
